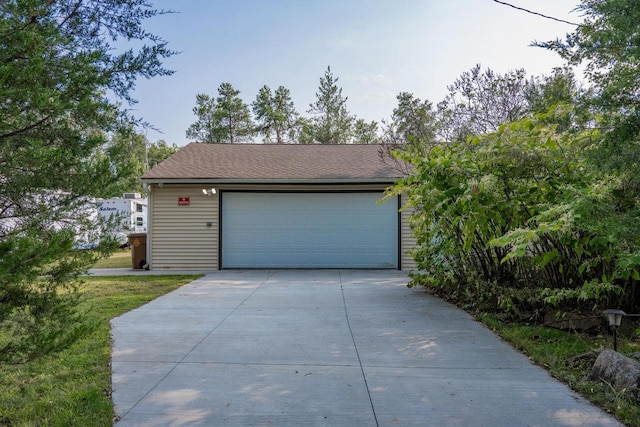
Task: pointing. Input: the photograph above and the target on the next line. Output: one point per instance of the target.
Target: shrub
(521, 221)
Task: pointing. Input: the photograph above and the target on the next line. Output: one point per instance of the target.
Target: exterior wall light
(209, 191)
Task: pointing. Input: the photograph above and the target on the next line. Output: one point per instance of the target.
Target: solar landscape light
(614, 317)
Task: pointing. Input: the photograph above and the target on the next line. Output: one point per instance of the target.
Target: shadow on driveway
(326, 348)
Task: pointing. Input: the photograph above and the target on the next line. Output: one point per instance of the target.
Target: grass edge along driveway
(73, 387)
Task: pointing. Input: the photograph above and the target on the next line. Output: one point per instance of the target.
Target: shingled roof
(275, 162)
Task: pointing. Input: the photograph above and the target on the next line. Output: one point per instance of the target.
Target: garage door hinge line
(346, 313)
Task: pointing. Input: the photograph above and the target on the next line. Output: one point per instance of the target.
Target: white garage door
(309, 230)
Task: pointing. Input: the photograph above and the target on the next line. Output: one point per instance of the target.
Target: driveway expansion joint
(324, 348)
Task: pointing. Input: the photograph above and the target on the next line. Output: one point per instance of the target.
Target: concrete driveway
(325, 348)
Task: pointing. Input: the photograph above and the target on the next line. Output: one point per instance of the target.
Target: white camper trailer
(130, 212)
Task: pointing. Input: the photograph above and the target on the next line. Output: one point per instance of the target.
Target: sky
(376, 48)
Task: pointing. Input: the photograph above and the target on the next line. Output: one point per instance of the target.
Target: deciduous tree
(126, 153)
(130, 155)
(539, 213)
(159, 151)
(479, 102)
(608, 45)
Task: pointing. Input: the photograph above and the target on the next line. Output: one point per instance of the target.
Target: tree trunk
(617, 370)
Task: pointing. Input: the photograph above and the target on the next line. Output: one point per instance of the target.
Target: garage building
(216, 206)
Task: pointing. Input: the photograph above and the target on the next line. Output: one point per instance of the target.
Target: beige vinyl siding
(408, 241)
(180, 237)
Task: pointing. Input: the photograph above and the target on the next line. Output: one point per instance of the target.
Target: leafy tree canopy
(608, 45)
(130, 155)
(531, 205)
(159, 151)
(480, 101)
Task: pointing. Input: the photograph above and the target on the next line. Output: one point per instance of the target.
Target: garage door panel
(308, 230)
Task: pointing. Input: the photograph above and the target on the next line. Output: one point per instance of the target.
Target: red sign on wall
(183, 201)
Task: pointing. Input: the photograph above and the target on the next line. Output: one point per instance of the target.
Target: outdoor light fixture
(614, 317)
(208, 191)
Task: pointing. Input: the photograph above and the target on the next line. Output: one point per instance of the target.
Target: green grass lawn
(73, 387)
(119, 259)
(569, 357)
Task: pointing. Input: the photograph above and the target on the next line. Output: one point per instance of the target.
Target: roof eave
(386, 180)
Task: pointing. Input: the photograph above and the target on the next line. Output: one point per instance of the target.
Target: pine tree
(57, 63)
(225, 119)
(332, 123)
(203, 129)
(276, 115)
(365, 132)
(231, 116)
